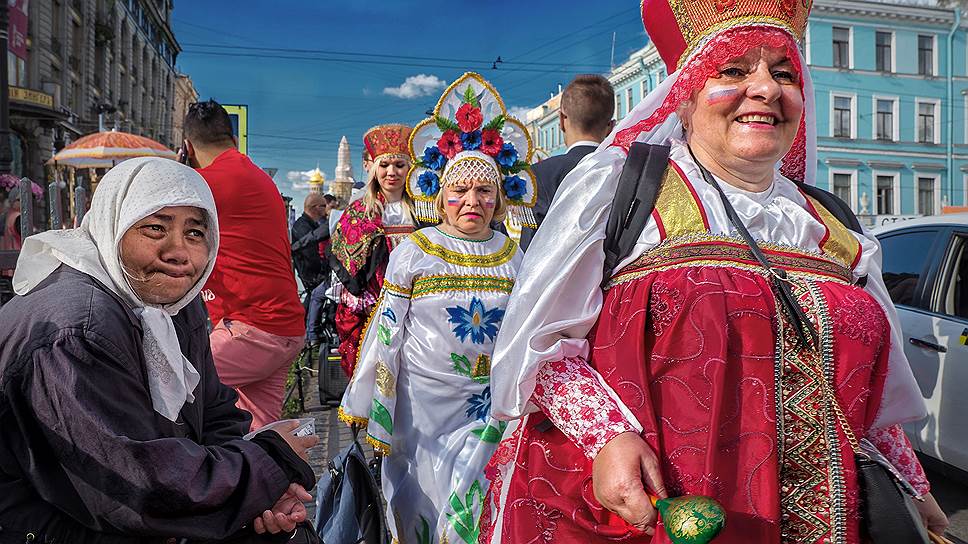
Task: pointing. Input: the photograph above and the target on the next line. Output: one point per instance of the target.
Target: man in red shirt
(251, 295)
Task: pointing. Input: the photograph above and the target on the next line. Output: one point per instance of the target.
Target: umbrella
(105, 149)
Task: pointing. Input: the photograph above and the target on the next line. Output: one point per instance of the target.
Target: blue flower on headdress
(429, 183)
(475, 321)
(471, 140)
(515, 187)
(433, 158)
(507, 156)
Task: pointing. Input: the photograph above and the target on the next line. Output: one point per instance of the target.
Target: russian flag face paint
(489, 203)
(453, 201)
(719, 95)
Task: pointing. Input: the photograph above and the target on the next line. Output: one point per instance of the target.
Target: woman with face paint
(422, 386)
(697, 369)
(370, 228)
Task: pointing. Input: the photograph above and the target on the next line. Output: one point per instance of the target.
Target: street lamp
(6, 155)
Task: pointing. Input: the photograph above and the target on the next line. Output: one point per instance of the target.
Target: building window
(841, 186)
(884, 57)
(843, 117)
(884, 122)
(628, 100)
(885, 195)
(926, 196)
(618, 106)
(644, 88)
(841, 47)
(926, 122)
(925, 55)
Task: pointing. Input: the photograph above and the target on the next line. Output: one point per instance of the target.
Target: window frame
(893, 46)
(853, 183)
(850, 47)
(895, 124)
(629, 98)
(943, 274)
(936, 133)
(895, 191)
(834, 95)
(936, 178)
(934, 54)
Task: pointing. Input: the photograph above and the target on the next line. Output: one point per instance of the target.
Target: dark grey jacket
(83, 455)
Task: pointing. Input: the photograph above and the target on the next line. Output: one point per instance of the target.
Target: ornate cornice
(881, 11)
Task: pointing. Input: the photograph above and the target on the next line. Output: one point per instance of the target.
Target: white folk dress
(422, 384)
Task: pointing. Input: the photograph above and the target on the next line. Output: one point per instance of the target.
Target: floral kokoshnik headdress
(471, 137)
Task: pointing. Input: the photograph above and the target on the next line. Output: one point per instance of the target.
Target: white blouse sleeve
(557, 296)
(370, 397)
(902, 400)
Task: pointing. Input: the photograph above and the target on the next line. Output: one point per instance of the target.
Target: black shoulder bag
(888, 512)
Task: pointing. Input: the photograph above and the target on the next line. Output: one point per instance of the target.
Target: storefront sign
(30, 96)
(17, 42)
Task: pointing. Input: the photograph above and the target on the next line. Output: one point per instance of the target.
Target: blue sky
(266, 54)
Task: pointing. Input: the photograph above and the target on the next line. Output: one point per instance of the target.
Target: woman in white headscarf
(114, 426)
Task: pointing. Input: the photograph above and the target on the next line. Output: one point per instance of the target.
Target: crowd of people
(684, 313)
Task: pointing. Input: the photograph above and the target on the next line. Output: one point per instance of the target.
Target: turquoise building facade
(891, 90)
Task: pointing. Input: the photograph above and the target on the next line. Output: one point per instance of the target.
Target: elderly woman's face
(166, 253)
(749, 112)
(469, 206)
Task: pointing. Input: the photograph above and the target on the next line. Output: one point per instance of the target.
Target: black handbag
(888, 511)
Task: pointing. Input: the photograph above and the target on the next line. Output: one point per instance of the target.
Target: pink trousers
(255, 363)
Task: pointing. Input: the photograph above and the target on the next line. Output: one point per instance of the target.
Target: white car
(926, 273)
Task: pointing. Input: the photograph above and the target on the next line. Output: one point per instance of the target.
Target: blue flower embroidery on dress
(475, 321)
(480, 405)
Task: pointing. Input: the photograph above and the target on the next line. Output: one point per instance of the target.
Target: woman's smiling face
(165, 254)
(750, 112)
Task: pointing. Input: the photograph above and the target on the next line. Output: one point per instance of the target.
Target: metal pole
(26, 208)
(54, 205)
(6, 155)
(80, 203)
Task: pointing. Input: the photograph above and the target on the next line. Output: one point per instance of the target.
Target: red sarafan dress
(691, 350)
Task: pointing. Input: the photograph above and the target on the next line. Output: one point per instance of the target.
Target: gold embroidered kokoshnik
(498, 258)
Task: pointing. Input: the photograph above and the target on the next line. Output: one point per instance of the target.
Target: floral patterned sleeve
(894, 444)
(569, 393)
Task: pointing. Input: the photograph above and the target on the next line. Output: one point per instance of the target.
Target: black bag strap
(634, 201)
(806, 332)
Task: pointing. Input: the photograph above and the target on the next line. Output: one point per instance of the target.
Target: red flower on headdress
(469, 118)
(449, 144)
(491, 141)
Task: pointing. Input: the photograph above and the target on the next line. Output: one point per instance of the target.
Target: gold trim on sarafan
(501, 256)
(396, 290)
(840, 243)
(439, 283)
(698, 250)
(678, 211)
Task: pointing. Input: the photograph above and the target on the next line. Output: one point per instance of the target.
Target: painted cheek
(489, 203)
(718, 95)
(453, 201)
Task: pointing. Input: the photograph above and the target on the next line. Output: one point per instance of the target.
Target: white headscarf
(127, 194)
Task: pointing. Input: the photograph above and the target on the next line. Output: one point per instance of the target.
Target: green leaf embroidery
(465, 523)
(470, 97)
(462, 365)
(496, 124)
(423, 532)
(490, 433)
(445, 124)
(518, 166)
(383, 333)
(381, 416)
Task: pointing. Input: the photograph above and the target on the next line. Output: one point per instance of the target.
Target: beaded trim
(452, 237)
(378, 444)
(428, 285)
(501, 256)
(350, 419)
(396, 290)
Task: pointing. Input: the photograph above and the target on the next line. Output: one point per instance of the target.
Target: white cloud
(416, 86)
(296, 175)
(519, 112)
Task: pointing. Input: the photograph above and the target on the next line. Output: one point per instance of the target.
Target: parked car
(926, 273)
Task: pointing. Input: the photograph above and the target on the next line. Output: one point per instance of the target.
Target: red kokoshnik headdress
(696, 37)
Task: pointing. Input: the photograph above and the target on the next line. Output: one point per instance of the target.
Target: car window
(955, 296)
(905, 257)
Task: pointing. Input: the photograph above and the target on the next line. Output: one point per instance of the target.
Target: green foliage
(470, 97)
(518, 166)
(496, 124)
(465, 523)
(446, 124)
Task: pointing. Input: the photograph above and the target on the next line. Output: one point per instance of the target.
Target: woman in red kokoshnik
(368, 231)
(683, 374)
